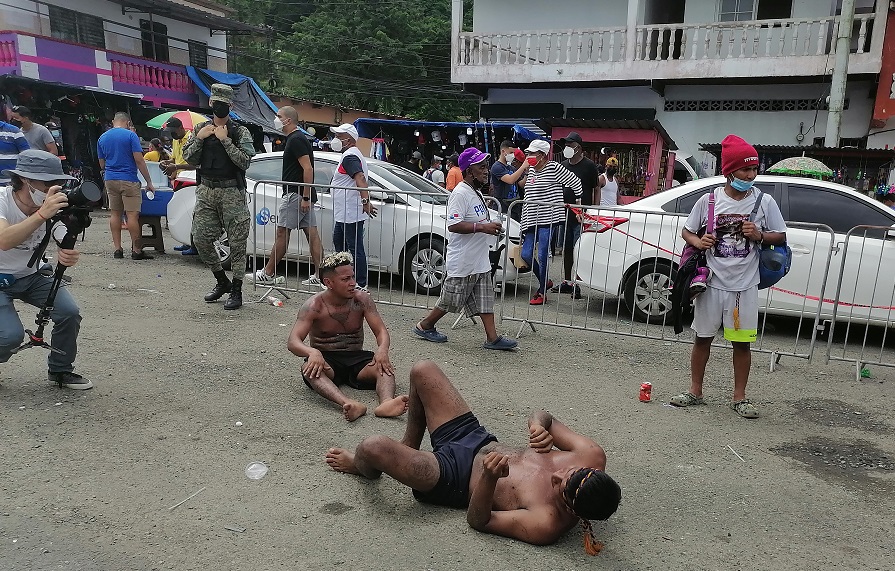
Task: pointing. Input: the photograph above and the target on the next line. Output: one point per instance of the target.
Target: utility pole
(840, 74)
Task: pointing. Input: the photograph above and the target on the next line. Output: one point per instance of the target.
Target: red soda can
(646, 390)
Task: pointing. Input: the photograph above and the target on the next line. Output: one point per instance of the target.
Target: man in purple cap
(468, 287)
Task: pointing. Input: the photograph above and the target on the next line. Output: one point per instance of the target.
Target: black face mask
(477, 184)
(15, 123)
(220, 109)
(611, 171)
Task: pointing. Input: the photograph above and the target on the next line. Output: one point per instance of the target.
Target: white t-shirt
(467, 254)
(15, 261)
(436, 176)
(347, 206)
(734, 259)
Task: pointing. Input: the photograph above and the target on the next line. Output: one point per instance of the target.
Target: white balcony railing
(792, 47)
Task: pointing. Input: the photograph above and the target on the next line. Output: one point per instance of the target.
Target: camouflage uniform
(221, 208)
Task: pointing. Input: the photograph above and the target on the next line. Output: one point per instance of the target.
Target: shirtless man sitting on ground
(534, 494)
(335, 355)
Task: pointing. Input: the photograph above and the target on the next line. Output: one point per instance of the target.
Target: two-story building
(76, 62)
(697, 69)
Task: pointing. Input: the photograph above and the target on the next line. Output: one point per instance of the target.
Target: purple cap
(471, 156)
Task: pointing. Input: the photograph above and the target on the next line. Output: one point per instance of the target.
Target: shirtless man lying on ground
(335, 355)
(534, 494)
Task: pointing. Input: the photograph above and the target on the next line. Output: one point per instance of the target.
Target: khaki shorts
(124, 195)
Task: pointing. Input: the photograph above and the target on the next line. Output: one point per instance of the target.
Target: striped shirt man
(547, 185)
(12, 142)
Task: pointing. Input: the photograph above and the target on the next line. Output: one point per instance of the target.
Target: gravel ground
(88, 480)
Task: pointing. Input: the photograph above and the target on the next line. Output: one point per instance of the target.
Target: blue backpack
(774, 261)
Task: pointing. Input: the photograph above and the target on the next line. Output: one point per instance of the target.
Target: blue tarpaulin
(369, 128)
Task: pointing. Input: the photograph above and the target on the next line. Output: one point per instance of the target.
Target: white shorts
(737, 311)
(290, 215)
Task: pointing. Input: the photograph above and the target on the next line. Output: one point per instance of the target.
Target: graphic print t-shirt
(734, 258)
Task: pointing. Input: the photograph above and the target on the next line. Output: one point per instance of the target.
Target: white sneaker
(361, 288)
(313, 281)
(260, 277)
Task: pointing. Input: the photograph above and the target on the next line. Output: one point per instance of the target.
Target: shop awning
(815, 152)
(250, 103)
(71, 87)
(370, 128)
(643, 124)
(184, 13)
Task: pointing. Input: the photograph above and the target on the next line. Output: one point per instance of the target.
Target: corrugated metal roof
(715, 148)
(644, 124)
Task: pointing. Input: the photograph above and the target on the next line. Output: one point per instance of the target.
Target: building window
(198, 54)
(155, 40)
(77, 27)
(736, 10)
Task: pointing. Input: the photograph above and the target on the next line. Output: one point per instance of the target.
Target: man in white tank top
(609, 184)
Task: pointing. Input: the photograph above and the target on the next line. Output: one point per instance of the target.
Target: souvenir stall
(643, 148)
(396, 141)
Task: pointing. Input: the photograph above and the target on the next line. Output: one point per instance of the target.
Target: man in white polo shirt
(351, 202)
(468, 287)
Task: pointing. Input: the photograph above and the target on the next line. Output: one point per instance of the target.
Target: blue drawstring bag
(774, 261)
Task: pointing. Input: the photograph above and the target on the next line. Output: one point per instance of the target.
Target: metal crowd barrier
(405, 243)
(632, 269)
(864, 273)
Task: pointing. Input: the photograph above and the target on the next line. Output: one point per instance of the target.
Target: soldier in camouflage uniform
(221, 150)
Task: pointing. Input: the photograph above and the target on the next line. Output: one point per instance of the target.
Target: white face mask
(277, 124)
(568, 152)
(37, 196)
(509, 158)
(336, 145)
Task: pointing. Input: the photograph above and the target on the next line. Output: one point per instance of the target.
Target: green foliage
(389, 56)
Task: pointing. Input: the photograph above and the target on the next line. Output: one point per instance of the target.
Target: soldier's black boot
(235, 299)
(223, 286)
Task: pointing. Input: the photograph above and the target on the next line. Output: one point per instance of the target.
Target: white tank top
(609, 193)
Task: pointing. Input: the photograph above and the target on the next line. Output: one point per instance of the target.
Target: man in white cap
(31, 199)
(434, 172)
(544, 210)
(351, 200)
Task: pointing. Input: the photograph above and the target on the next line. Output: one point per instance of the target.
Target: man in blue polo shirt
(12, 142)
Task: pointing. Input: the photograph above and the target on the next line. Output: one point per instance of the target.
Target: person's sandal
(430, 334)
(744, 408)
(686, 399)
(502, 344)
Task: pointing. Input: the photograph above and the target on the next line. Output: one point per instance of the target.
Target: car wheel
(222, 247)
(648, 292)
(425, 266)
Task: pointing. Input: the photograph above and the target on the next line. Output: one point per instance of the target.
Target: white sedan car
(407, 238)
(634, 251)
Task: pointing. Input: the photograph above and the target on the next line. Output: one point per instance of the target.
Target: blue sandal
(502, 344)
(430, 334)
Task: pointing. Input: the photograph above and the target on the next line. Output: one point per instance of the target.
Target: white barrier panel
(624, 266)
(864, 302)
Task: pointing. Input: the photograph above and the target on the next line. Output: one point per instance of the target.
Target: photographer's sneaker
(313, 281)
(261, 277)
(70, 380)
(699, 283)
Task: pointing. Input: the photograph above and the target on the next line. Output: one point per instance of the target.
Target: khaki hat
(221, 92)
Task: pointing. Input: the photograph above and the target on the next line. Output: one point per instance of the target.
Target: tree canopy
(389, 56)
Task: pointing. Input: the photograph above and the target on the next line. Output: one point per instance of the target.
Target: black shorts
(346, 366)
(455, 444)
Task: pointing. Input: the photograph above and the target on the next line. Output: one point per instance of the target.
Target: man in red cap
(728, 289)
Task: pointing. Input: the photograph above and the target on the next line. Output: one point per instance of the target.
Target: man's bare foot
(392, 407)
(341, 460)
(353, 410)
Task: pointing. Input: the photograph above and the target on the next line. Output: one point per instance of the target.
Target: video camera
(76, 216)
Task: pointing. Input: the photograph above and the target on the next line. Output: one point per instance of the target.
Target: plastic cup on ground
(256, 470)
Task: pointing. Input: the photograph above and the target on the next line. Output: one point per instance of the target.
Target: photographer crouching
(32, 199)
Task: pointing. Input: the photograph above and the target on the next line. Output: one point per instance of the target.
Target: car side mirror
(381, 196)
(890, 233)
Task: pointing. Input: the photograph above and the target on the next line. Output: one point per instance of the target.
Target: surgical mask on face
(220, 109)
(336, 145)
(740, 185)
(278, 124)
(532, 160)
(509, 158)
(568, 152)
(37, 196)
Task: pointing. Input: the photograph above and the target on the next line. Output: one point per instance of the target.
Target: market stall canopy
(250, 103)
(638, 124)
(370, 128)
(801, 166)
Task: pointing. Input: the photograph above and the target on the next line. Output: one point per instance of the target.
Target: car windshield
(410, 182)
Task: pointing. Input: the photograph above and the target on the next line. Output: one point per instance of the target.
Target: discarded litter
(194, 494)
(735, 453)
(865, 373)
(256, 470)
(235, 528)
(275, 301)
(58, 404)
(148, 290)
(111, 286)
(21, 408)
(238, 423)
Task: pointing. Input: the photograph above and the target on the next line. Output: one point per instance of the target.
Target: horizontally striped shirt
(547, 186)
(12, 142)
